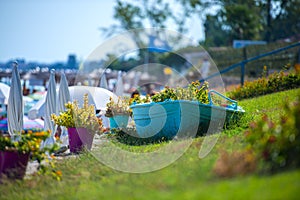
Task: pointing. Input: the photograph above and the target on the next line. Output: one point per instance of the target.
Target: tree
(242, 21)
(138, 14)
(214, 34)
(280, 18)
(134, 14)
(236, 19)
(267, 20)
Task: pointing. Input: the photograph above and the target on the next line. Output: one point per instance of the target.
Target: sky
(48, 31)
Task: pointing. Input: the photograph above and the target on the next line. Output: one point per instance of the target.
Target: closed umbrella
(63, 93)
(15, 103)
(119, 86)
(50, 108)
(63, 98)
(103, 82)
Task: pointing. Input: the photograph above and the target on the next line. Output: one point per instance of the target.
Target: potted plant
(15, 153)
(81, 122)
(118, 112)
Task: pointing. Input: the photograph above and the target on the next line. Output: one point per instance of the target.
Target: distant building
(72, 63)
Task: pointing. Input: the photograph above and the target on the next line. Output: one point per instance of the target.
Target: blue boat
(183, 118)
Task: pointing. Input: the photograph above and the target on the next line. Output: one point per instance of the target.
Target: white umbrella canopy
(15, 103)
(50, 108)
(97, 96)
(119, 85)
(4, 93)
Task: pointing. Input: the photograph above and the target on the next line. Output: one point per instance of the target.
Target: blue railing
(244, 62)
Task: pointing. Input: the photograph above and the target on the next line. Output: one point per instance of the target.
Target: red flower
(266, 154)
(272, 139)
(265, 118)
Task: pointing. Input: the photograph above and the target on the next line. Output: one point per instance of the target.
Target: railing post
(242, 73)
(297, 64)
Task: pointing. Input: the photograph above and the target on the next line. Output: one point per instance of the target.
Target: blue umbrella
(15, 103)
(50, 108)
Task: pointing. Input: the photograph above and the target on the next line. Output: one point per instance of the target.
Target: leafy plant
(138, 99)
(129, 136)
(29, 142)
(277, 144)
(74, 116)
(274, 83)
(119, 107)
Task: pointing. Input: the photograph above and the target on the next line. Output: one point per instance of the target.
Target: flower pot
(118, 121)
(13, 164)
(79, 138)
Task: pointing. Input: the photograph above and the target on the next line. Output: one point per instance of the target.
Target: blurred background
(62, 35)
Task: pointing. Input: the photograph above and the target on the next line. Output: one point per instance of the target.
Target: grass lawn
(189, 177)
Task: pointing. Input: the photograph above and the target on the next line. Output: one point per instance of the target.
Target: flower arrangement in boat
(194, 92)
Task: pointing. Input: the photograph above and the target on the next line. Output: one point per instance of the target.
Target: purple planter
(79, 138)
(13, 164)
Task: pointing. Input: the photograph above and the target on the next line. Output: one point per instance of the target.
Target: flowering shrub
(274, 83)
(29, 142)
(277, 144)
(121, 106)
(137, 99)
(74, 116)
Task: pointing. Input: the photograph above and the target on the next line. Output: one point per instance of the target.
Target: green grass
(189, 177)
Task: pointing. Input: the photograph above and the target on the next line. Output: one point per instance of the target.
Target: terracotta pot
(79, 138)
(13, 164)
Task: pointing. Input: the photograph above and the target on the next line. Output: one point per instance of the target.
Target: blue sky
(48, 31)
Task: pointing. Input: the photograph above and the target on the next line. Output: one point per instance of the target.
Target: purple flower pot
(13, 164)
(79, 138)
